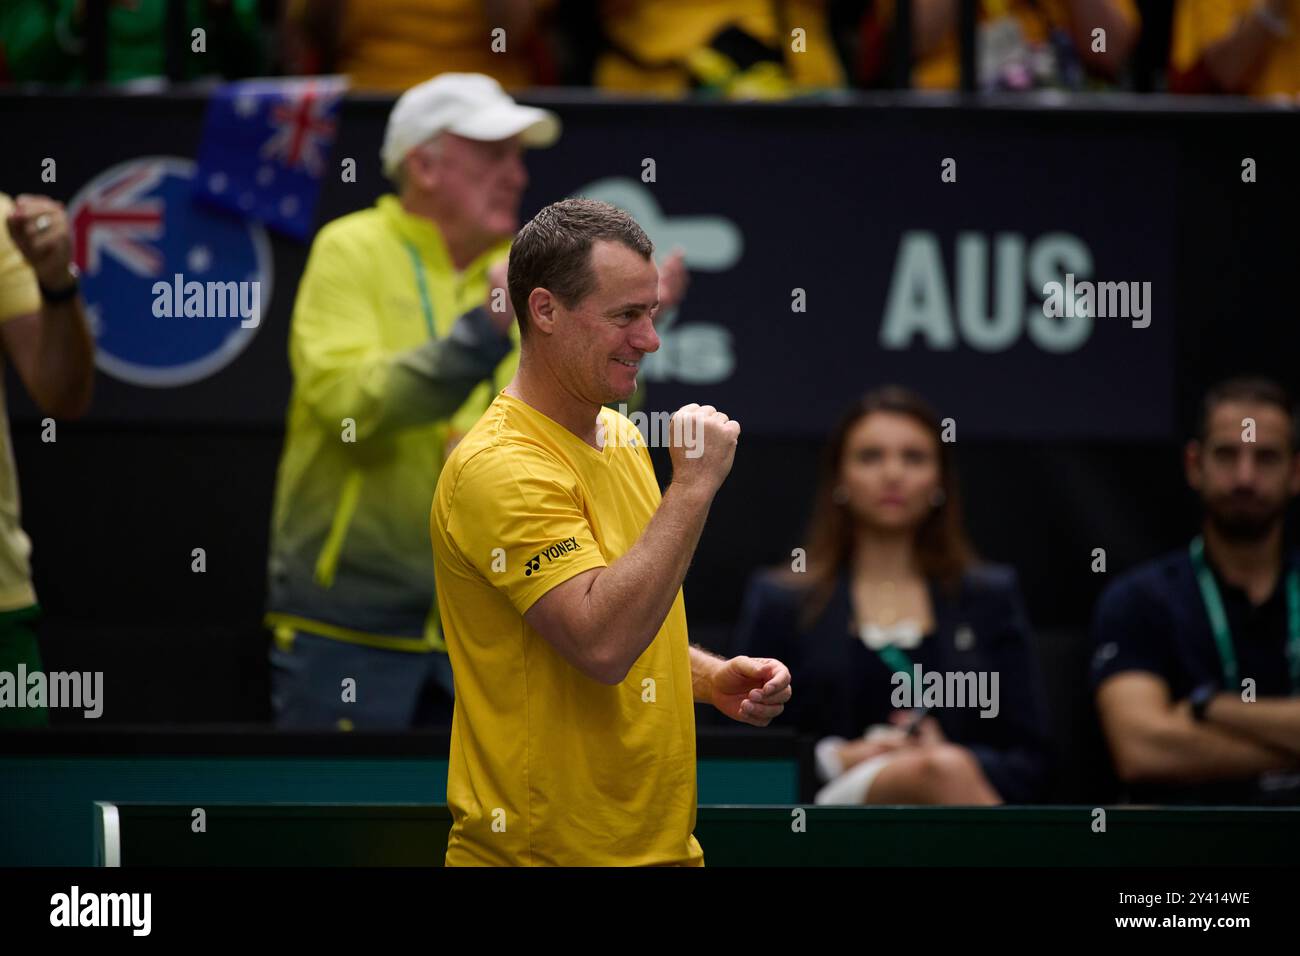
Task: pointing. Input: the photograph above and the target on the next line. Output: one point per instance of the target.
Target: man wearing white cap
(396, 343)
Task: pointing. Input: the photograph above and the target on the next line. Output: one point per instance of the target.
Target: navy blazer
(841, 686)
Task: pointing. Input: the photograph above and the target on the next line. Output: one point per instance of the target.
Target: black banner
(1027, 270)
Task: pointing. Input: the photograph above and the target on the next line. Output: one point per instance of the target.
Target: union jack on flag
(136, 227)
(265, 148)
(120, 220)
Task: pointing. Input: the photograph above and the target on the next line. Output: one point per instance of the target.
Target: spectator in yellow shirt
(1236, 46)
(394, 341)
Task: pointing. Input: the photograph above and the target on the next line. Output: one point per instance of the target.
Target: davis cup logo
(174, 290)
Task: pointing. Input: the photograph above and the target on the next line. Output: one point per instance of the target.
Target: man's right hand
(703, 446)
(502, 319)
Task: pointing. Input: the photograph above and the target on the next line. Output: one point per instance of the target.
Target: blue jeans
(394, 690)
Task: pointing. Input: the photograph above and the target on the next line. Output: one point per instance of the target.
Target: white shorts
(853, 785)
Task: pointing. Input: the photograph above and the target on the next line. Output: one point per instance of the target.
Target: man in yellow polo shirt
(559, 570)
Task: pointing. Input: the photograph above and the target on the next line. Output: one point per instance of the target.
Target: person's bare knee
(951, 774)
(933, 774)
(903, 780)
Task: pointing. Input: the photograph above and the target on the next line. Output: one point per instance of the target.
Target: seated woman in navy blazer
(887, 591)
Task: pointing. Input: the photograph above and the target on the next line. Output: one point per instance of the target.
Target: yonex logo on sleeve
(554, 552)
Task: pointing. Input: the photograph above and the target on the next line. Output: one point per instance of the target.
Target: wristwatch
(1200, 699)
(69, 291)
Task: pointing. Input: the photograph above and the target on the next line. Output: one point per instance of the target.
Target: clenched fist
(703, 445)
(39, 228)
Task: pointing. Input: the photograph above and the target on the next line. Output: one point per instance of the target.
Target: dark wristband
(68, 292)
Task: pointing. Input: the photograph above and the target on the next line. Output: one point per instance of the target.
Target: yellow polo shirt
(548, 766)
(19, 295)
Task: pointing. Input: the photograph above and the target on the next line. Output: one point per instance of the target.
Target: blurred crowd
(743, 49)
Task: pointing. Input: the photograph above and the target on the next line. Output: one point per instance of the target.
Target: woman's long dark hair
(942, 548)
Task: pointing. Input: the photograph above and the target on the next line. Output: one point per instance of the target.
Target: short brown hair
(553, 251)
(1253, 389)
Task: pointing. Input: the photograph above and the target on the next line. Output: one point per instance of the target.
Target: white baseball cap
(467, 104)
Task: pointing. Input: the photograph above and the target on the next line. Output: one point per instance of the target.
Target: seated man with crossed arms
(1197, 662)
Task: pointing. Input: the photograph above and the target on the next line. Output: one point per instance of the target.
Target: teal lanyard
(425, 304)
(896, 659)
(1219, 618)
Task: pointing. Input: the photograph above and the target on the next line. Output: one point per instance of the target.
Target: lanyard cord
(1219, 618)
(426, 306)
(897, 660)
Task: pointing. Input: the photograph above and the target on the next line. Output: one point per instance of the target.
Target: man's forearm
(703, 665)
(65, 367)
(389, 393)
(434, 380)
(629, 600)
(1180, 750)
(1273, 722)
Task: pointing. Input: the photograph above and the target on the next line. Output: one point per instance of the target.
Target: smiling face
(890, 471)
(597, 344)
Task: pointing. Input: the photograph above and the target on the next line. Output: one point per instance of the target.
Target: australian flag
(266, 145)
